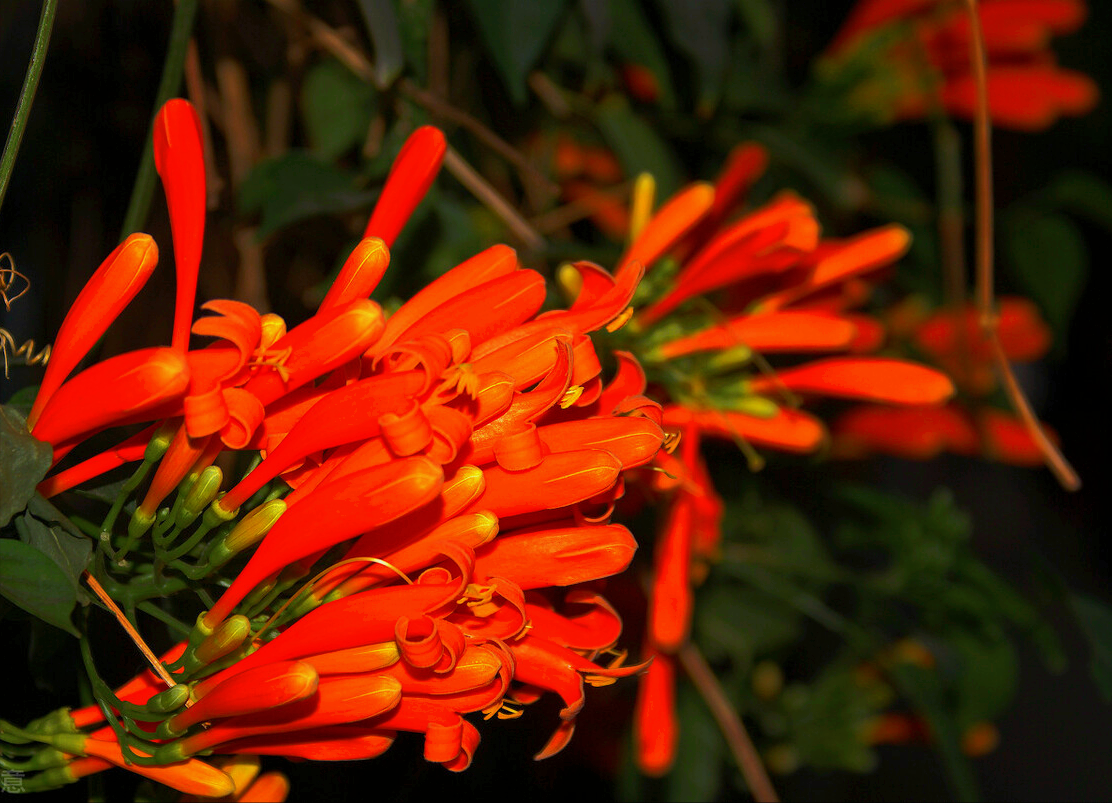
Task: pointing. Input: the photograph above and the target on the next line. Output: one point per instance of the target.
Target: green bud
(158, 444)
(228, 635)
(170, 700)
(200, 496)
(248, 532)
(139, 524)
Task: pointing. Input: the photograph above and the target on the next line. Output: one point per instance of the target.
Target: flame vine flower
(725, 297)
(905, 59)
(418, 534)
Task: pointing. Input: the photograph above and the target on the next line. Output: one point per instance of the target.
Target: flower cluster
(919, 56)
(780, 291)
(452, 467)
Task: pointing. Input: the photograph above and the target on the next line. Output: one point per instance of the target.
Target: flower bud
(169, 700)
(200, 496)
(248, 532)
(226, 638)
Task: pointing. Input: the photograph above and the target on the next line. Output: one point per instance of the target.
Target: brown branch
(490, 198)
(744, 752)
(132, 633)
(982, 129)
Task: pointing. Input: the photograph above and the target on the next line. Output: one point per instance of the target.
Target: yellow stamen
(571, 396)
(620, 321)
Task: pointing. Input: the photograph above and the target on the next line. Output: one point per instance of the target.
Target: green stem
(27, 95)
(172, 69)
(172, 622)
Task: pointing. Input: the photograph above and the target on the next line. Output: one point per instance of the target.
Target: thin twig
(481, 189)
(132, 633)
(744, 752)
(982, 127)
(27, 94)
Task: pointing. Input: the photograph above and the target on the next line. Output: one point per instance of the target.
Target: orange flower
(930, 62)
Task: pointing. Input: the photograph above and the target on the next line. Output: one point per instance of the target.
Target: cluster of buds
(425, 517)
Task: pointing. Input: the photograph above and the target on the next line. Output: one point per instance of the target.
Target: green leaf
(760, 19)
(515, 34)
(702, 31)
(70, 552)
(1048, 256)
(701, 750)
(638, 44)
(296, 186)
(414, 21)
(382, 23)
(24, 461)
(923, 688)
(23, 399)
(338, 107)
(638, 147)
(1083, 194)
(986, 674)
(1095, 619)
(35, 583)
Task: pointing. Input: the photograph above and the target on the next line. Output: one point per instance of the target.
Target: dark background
(63, 213)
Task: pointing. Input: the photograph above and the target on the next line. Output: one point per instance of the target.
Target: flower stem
(181, 28)
(756, 778)
(27, 95)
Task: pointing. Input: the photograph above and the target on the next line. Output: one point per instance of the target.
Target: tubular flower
(429, 493)
(971, 426)
(727, 297)
(917, 52)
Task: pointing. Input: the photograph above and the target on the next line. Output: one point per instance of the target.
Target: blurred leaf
(638, 147)
(414, 20)
(24, 461)
(382, 22)
(296, 186)
(741, 623)
(70, 551)
(1095, 619)
(36, 584)
(598, 15)
(1082, 194)
(639, 45)
(702, 31)
(338, 108)
(827, 719)
(1049, 258)
(986, 675)
(515, 34)
(923, 688)
(760, 18)
(894, 195)
(701, 750)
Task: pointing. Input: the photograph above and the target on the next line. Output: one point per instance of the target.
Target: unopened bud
(248, 532)
(200, 496)
(169, 700)
(228, 635)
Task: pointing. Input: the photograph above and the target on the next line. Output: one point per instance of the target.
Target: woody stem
(744, 752)
(982, 127)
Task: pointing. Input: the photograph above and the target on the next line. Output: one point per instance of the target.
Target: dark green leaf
(1048, 256)
(1083, 194)
(702, 31)
(1095, 619)
(414, 20)
(638, 147)
(22, 400)
(338, 107)
(24, 461)
(923, 688)
(296, 186)
(36, 584)
(69, 551)
(760, 19)
(741, 623)
(986, 674)
(515, 34)
(638, 45)
(382, 22)
(700, 752)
